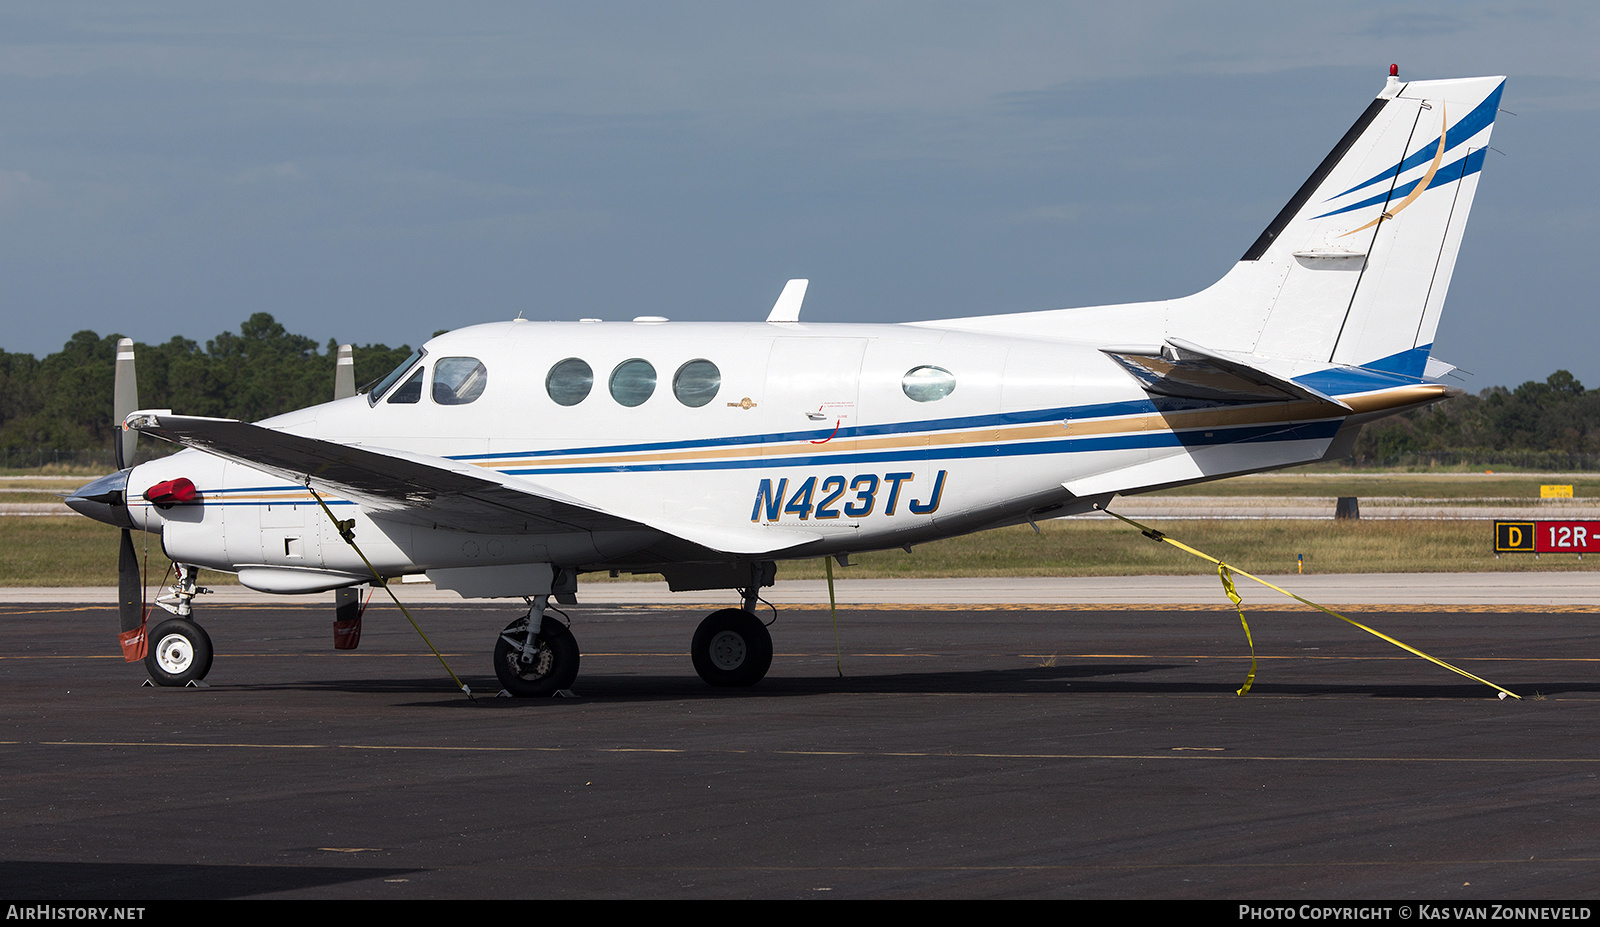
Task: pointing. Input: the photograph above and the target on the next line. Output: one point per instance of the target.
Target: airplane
(507, 459)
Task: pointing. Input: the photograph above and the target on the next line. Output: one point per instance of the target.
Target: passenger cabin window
(696, 383)
(409, 391)
(926, 384)
(633, 382)
(458, 380)
(569, 382)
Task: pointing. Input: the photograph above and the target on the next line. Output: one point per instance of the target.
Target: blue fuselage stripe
(1146, 440)
(969, 422)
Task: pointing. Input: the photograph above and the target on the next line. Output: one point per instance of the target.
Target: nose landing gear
(179, 651)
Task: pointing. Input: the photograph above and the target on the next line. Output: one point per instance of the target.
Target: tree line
(1555, 423)
(63, 402)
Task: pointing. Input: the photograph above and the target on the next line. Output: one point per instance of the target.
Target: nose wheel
(179, 653)
(732, 648)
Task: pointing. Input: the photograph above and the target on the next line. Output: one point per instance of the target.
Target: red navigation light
(171, 492)
(1394, 70)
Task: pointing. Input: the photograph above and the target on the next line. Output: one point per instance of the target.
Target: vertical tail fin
(1352, 272)
(1354, 269)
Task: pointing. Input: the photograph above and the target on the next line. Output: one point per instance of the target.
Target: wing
(433, 490)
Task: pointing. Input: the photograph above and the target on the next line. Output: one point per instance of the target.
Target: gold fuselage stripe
(1189, 419)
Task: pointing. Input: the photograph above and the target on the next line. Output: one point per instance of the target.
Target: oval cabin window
(633, 382)
(569, 382)
(696, 383)
(926, 384)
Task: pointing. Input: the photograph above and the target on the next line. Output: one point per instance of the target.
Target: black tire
(555, 659)
(178, 652)
(732, 648)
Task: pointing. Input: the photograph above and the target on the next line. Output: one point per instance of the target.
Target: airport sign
(1547, 537)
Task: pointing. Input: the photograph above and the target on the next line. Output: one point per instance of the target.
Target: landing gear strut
(538, 665)
(179, 651)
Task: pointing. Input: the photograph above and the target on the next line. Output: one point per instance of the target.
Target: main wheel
(179, 652)
(732, 648)
(554, 663)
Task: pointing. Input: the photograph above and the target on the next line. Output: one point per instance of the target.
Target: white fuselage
(811, 430)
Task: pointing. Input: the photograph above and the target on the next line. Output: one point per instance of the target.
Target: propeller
(124, 401)
(346, 601)
(344, 373)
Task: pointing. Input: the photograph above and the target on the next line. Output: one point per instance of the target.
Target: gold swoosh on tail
(1422, 184)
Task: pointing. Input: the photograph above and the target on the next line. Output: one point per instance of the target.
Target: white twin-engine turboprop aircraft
(506, 459)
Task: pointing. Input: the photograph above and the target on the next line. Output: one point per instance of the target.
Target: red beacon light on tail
(170, 492)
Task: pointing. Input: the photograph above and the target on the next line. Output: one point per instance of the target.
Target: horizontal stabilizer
(1186, 370)
(1436, 368)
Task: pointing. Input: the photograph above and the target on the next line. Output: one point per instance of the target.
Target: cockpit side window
(409, 391)
(394, 376)
(458, 380)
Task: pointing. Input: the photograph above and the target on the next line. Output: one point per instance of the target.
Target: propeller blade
(346, 602)
(344, 373)
(125, 400)
(130, 591)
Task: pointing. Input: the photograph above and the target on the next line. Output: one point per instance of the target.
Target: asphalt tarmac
(1038, 751)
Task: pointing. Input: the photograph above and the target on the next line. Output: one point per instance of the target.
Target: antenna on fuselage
(787, 308)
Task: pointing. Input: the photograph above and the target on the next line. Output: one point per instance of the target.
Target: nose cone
(104, 500)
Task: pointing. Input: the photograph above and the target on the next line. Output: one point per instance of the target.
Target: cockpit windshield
(384, 384)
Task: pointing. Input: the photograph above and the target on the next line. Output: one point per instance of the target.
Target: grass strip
(74, 551)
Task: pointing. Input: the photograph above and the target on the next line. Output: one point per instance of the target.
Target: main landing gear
(177, 650)
(536, 665)
(732, 647)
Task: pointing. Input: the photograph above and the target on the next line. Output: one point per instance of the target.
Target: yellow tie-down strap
(1225, 571)
(347, 530)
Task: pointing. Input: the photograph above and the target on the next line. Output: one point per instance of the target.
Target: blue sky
(378, 171)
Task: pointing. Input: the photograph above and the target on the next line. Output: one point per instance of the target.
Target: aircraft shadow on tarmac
(156, 881)
(1065, 679)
